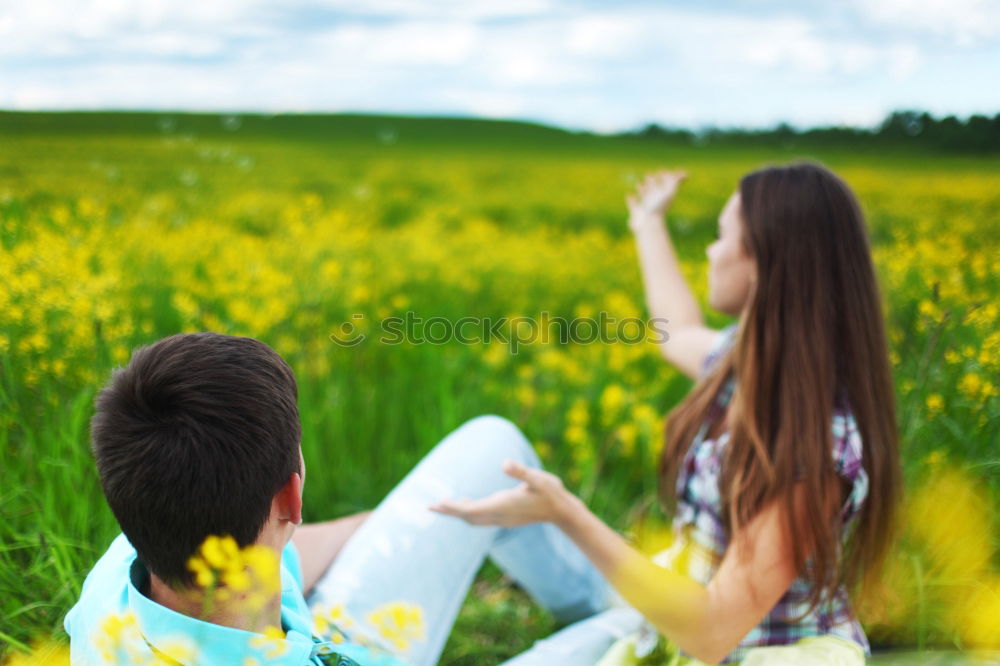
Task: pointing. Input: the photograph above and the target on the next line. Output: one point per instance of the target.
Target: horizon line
(262, 113)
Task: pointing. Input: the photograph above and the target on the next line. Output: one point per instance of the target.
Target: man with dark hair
(197, 447)
(199, 436)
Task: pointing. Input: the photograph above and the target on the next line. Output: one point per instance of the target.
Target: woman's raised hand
(540, 498)
(648, 204)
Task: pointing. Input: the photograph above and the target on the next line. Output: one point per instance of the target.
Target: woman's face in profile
(731, 271)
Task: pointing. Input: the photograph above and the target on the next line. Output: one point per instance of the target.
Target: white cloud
(616, 66)
(437, 9)
(789, 43)
(965, 22)
(408, 43)
(855, 58)
(487, 104)
(798, 47)
(530, 57)
(605, 36)
(36, 97)
(903, 60)
(860, 115)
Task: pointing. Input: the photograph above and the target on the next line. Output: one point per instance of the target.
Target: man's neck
(232, 613)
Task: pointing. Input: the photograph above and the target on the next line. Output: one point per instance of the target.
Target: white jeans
(405, 552)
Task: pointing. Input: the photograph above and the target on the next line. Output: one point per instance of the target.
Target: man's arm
(320, 543)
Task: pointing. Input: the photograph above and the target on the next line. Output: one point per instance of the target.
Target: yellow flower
(496, 355)
(272, 639)
(646, 416)
(934, 457)
(253, 570)
(204, 575)
(578, 414)
(331, 621)
(117, 633)
(526, 395)
(650, 536)
(45, 653)
(612, 400)
(116, 626)
(970, 385)
(935, 403)
(627, 433)
(176, 651)
(576, 434)
(263, 562)
(219, 552)
(360, 294)
(399, 622)
(955, 532)
(977, 618)
(236, 579)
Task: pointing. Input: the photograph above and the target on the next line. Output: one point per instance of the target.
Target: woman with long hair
(780, 468)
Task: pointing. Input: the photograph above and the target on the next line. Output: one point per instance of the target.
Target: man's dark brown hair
(194, 437)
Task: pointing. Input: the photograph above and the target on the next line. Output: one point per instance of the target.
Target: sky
(603, 66)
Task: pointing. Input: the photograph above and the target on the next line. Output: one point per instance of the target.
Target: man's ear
(287, 502)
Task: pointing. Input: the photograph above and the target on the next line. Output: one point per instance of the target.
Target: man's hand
(541, 498)
(653, 197)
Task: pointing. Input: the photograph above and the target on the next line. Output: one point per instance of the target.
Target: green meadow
(119, 229)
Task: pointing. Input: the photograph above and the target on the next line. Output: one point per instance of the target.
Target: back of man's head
(194, 437)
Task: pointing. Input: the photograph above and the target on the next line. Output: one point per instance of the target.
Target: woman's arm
(706, 622)
(668, 295)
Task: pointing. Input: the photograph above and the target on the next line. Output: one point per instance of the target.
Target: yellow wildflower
(612, 400)
(45, 653)
(578, 414)
(253, 570)
(399, 622)
(977, 617)
(934, 457)
(331, 621)
(970, 385)
(273, 640)
(955, 533)
(576, 434)
(526, 395)
(627, 433)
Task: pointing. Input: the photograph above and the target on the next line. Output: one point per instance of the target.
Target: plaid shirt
(703, 537)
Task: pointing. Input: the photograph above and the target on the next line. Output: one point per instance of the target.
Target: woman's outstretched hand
(540, 498)
(653, 197)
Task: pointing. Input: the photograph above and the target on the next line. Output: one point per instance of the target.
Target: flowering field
(115, 232)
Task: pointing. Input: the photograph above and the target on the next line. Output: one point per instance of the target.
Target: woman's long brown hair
(811, 335)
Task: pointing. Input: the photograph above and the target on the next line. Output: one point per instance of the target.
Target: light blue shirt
(111, 600)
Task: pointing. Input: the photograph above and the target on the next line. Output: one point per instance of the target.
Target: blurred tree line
(976, 134)
(919, 130)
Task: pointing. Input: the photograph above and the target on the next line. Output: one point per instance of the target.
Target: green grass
(371, 412)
